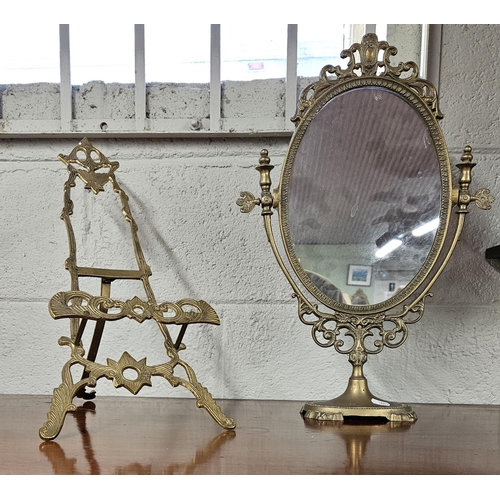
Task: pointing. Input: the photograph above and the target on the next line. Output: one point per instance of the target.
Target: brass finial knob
(467, 156)
(264, 158)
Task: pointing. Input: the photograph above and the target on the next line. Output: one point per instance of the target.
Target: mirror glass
(364, 197)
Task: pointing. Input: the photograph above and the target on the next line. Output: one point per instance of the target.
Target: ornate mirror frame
(361, 330)
(424, 101)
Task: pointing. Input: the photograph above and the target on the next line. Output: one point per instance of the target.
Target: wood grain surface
(138, 435)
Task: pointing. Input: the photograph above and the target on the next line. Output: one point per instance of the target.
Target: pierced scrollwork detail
(364, 60)
(359, 328)
(79, 304)
(114, 370)
(90, 159)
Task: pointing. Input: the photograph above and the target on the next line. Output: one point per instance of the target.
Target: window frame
(141, 126)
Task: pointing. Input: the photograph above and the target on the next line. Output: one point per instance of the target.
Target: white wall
(182, 193)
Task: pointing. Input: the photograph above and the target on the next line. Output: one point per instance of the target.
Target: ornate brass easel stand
(80, 307)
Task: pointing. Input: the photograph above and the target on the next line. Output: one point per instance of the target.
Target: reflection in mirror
(364, 195)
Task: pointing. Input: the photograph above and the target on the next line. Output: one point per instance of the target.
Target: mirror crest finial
(365, 60)
(370, 58)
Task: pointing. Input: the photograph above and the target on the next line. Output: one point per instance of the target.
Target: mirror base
(329, 410)
(358, 401)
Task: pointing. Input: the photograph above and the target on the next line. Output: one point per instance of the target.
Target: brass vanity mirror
(365, 212)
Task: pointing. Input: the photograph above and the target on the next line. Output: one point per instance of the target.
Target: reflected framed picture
(359, 275)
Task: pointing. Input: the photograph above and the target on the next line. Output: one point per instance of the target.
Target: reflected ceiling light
(388, 248)
(426, 228)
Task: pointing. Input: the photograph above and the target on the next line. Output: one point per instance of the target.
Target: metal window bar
(140, 78)
(291, 74)
(431, 53)
(65, 84)
(215, 82)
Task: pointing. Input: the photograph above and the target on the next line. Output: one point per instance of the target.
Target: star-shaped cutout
(127, 361)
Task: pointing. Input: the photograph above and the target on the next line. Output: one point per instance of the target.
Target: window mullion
(215, 79)
(424, 51)
(140, 78)
(65, 83)
(291, 74)
(433, 54)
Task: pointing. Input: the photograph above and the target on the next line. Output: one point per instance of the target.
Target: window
(144, 74)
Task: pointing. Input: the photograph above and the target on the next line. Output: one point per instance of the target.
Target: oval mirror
(364, 205)
(364, 196)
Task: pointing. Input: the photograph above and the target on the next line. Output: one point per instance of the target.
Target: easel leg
(203, 398)
(62, 400)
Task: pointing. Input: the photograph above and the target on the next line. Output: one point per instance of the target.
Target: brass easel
(80, 307)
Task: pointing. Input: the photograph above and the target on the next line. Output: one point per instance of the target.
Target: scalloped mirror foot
(330, 411)
(358, 401)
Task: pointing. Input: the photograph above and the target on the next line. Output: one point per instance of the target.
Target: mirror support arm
(461, 197)
(456, 237)
(272, 241)
(268, 201)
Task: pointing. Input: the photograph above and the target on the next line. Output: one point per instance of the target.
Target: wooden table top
(139, 435)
